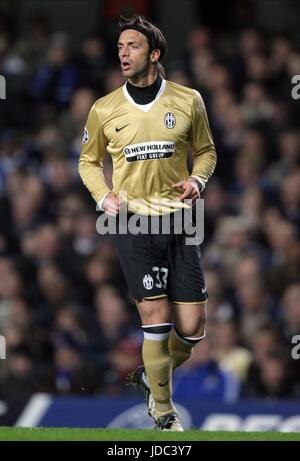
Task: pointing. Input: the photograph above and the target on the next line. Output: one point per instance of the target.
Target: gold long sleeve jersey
(149, 147)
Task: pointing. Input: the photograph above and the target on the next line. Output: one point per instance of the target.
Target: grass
(76, 434)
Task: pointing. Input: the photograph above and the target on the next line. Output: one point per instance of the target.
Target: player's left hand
(191, 189)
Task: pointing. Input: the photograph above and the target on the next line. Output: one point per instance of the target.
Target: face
(134, 54)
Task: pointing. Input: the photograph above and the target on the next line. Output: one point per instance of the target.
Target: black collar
(146, 94)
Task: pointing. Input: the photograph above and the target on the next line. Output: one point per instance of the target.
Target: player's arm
(91, 164)
(204, 153)
(203, 148)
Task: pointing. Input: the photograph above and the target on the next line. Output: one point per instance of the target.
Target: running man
(147, 126)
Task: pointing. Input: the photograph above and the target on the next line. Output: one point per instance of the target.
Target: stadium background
(70, 326)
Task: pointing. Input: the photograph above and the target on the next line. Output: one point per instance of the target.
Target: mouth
(125, 65)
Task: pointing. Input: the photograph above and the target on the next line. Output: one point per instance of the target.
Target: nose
(124, 51)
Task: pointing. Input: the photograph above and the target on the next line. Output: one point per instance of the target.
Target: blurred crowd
(69, 322)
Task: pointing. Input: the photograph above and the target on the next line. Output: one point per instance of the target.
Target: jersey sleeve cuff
(200, 181)
(100, 203)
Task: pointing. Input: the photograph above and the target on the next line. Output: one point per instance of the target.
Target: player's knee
(153, 311)
(198, 331)
(195, 329)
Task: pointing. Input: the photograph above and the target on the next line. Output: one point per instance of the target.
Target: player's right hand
(111, 204)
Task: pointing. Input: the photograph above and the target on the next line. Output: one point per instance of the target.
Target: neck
(142, 81)
(144, 94)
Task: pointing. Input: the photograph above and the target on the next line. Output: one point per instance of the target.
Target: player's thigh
(186, 281)
(190, 319)
(143, 266)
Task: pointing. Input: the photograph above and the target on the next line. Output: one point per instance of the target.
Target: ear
(155, 55)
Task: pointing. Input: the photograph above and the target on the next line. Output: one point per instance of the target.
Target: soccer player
(147, 126)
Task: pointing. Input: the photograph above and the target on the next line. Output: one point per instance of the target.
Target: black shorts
(157, 266)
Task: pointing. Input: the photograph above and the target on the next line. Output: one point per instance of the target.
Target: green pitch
(66, 434)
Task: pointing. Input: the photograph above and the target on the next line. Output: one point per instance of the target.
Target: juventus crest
(170, 120)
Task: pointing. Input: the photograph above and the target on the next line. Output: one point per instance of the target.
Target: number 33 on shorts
(161, 278)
